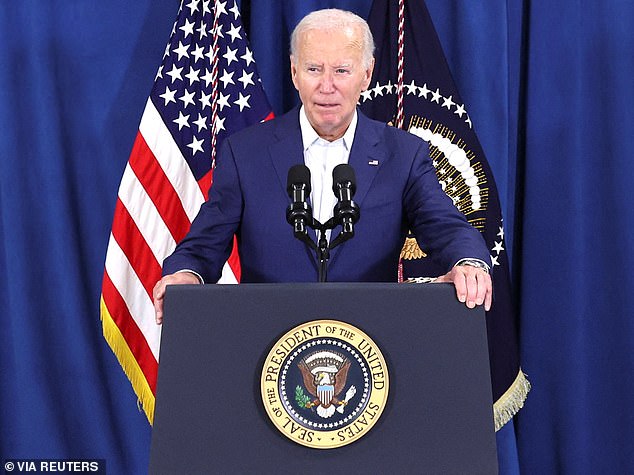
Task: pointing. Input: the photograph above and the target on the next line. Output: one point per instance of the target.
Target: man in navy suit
(397, 189)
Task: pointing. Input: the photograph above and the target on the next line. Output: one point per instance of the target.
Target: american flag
(206, 88)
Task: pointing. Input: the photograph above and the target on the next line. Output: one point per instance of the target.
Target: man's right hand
(179, 278)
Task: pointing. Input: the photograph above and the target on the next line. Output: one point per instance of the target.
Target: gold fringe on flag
(130, 366)
(511, 401)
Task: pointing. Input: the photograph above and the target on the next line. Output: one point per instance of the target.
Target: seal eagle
(325, 374)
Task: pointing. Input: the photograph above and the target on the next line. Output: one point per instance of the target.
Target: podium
(210, 418)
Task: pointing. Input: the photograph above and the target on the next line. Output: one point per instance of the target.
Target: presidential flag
(206, 88)
(412, 88)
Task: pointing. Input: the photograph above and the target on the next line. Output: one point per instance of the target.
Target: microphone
(344, 186)
(298, 213)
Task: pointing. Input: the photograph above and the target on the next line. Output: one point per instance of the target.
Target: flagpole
(401, 64)
(214, 87)
(399, 88)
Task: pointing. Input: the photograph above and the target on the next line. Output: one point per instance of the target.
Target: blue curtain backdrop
(550, 90)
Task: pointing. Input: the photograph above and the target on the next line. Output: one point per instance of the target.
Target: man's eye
(341, 71)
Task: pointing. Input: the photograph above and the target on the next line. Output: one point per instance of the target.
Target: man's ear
(294, 73)
(368, 75)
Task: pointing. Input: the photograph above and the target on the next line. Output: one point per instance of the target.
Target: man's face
(328, 73)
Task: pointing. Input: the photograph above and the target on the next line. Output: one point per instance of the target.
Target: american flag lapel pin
(374, 163)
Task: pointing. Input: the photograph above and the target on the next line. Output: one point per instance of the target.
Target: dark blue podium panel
(210, 418)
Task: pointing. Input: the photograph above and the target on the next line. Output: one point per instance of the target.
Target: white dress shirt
(321, 157)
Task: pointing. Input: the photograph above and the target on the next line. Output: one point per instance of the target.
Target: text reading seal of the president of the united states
(324, 384)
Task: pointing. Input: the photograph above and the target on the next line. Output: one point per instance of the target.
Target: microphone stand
(299, 213)
(322, 248)
(323, 254)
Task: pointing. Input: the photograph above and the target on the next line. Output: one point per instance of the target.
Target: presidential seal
(324, 384)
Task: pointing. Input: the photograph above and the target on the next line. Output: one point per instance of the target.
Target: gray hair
(334, 19)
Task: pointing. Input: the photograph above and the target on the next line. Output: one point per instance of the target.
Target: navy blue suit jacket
(397, 190)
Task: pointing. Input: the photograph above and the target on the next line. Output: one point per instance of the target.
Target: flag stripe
(131, 242)
(228, 274)
(135, 339)
(234, 260)
(205, 183)
(146, 216)
(133, 293)
(159, 189)
(129, 363)
(159, 140)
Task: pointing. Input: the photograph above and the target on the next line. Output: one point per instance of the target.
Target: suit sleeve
(208, 244)
(440, 228)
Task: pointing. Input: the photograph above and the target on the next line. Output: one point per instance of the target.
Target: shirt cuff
(200, 279)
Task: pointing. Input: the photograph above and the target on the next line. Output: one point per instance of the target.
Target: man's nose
(327, 83)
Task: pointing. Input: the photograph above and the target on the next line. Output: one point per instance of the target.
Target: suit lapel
(286, 152)
(288, 149)
(366, 158)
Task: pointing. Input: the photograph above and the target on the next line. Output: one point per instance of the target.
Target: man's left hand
(473, 285)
